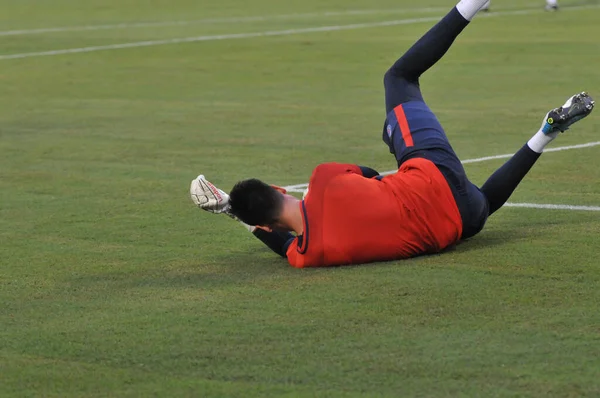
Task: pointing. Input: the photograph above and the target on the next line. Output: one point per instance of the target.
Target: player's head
(256, 203)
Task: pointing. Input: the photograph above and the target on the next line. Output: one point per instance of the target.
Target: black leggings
(401, 84)
(401, 81)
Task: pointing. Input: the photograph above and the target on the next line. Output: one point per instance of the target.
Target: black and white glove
(208, 197)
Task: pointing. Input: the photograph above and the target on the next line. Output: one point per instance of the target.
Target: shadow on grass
(220, 270)
(252, 264)
(493, 238)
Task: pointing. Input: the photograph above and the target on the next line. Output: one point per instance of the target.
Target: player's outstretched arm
(208, 197)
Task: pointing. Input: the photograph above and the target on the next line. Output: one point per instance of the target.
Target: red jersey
(350, 219)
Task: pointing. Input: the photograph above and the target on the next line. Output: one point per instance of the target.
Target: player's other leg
(401, 81)
(412, 130)
(401, 84)
(505, 180)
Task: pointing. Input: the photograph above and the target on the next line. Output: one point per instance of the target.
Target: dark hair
(255, 202)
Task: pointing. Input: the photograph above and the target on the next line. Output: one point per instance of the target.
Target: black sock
(503, 182)
(430, 48)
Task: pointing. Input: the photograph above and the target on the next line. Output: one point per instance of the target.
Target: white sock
(552, 3)
(538, 142)
(468, 8)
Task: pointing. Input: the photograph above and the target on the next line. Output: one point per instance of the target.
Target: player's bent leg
(399, 90)
(505, 180)
(401, 81)
(430, 48)
(412, 130)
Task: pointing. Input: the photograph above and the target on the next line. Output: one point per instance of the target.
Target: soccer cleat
(576, 108)
(551, 7)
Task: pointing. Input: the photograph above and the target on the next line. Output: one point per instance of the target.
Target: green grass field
(113, 284)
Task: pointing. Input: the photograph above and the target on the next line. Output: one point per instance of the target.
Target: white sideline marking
(218, 37)
(208, 21)
(262, 34)
(553, 207)
(558, 149)
(299, 188)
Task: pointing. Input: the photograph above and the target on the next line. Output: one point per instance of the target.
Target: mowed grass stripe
(250, 35)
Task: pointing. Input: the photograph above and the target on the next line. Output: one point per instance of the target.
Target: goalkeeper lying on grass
(352, 215)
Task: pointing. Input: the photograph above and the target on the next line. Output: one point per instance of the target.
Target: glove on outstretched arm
(208, 197)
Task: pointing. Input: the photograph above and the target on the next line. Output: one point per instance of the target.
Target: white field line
(299, 188)
(210, 21)
(557, 149)
(180, 40)
(286, 32)
(553, 207)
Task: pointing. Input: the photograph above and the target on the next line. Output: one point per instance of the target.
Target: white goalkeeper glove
(208, 197)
